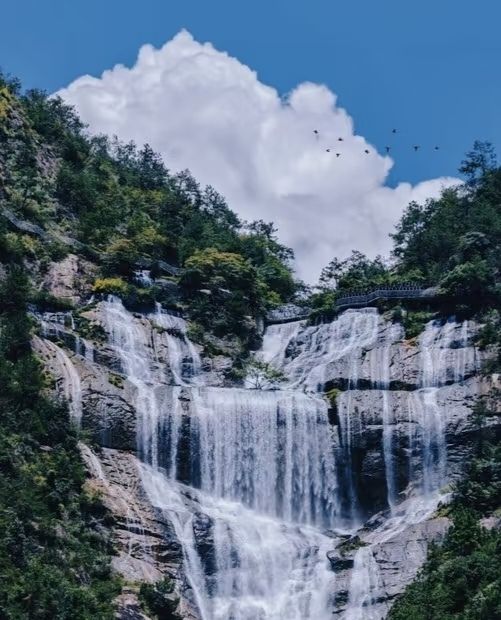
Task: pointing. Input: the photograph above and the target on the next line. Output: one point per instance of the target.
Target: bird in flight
(315, 131)
(327, 150)
(416, 147)
(437, 148)
(393, 131)
(338, 154)
(340, 139)
(367, 151)
(388, 149)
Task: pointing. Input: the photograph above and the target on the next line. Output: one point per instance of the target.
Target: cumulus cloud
(206, 111)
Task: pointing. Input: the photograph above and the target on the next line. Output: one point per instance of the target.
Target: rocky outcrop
(403, 421)
(404, 358)
(384, 563)
(70, 279)
(147, 547)
(128, 607)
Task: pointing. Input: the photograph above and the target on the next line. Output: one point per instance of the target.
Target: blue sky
(430, 68)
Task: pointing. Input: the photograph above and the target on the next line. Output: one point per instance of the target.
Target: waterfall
(261, 568)
(258, 484)
(184, 359)
(440, 363)
(379, 360)
(320, 346)
(251, 521)
(70, 387)
(54, 325)
(437, 359)
(365, 585)
(269, 450)
(142, 277)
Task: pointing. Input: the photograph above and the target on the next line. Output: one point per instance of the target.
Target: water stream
(258, 484)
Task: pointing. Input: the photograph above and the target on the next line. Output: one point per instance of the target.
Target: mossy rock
(116, 380)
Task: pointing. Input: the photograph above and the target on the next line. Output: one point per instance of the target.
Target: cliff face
(286, 503)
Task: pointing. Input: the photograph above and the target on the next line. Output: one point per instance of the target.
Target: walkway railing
(402, 291)
(287, 314)
(355, 299)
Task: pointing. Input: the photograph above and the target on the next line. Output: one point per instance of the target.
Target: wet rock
(339, 562)
(202, 529)
(109, 415)
(145, 539)
(400, 558)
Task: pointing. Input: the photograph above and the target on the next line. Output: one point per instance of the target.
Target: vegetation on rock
(260, 375)
(54, 560)
(453, 242)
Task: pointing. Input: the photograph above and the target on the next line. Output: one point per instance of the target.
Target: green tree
(261, 375)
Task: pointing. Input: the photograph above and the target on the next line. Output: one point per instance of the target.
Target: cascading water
(269, 450)
(184, 360)
(440, 363)
(320, 346)
(71, 387)
(261, 568)
(379, 359)
(437, 359)
(252, 480)
(55, 324)
(266, 479)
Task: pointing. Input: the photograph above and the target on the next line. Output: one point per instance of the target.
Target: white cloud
(206, 111)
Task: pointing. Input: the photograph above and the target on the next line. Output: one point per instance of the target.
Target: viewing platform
(354, 299)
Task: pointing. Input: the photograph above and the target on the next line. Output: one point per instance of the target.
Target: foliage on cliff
(453, 241)
(54, 563)
(122, 203)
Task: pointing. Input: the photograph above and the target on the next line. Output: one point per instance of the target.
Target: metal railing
(287, 314)
(355, 299)
(401, 291)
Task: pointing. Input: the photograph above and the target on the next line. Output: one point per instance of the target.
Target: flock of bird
(415, 147)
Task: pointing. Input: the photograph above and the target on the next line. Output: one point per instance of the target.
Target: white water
(379, 359)
(320, 345)
(266, 477)
(70, 387)
(437, 358)
(263, 481)
(266, 569)
(143, 277)
(184, 359)
(439, 364)
(269, 450)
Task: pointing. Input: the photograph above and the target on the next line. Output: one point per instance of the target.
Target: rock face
(381, 566)
(400, 415)
(147, 546)
(400, 430)
(70, 278)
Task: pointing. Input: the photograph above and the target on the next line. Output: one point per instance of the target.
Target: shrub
(46, 301)
(260, 375)
(111, 286)
(120, 257)
(414, 322)
(159, 600)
